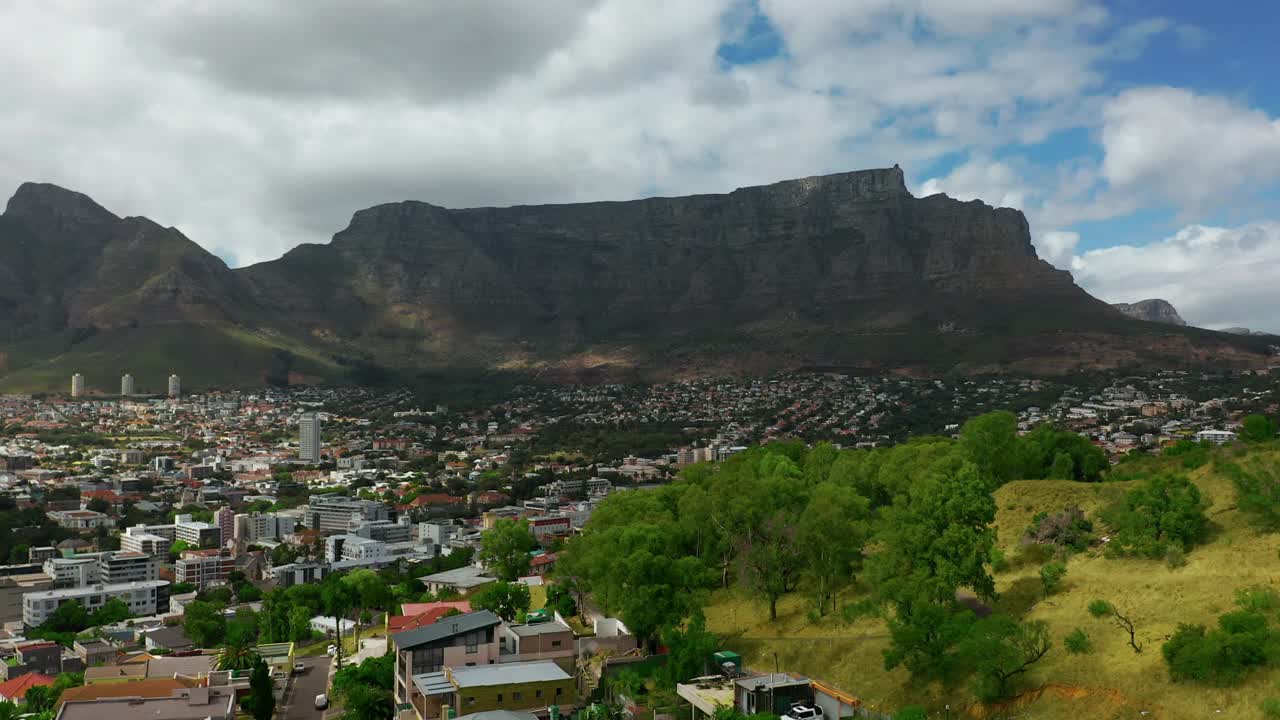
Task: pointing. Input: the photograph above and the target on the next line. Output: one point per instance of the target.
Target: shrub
(1174, 557)
(911, 712)
(1051, 576)
(1271, 709)
(1165, 510)
(1258, 599)
(1077, 642)
(999, 562)
(1223, 656)
(1068, 528)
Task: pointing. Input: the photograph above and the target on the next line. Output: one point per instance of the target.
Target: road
(300, 698)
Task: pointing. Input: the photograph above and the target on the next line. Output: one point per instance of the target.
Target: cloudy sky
(1140, 136)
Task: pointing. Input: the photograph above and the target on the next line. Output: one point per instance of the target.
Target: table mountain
(1154, 310)
(839, 271)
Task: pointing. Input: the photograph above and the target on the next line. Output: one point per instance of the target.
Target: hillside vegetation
(1160, 544)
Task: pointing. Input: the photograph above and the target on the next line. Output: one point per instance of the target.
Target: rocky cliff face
(1154, 310)
(845, 270)
(66, 262)
(760, 267)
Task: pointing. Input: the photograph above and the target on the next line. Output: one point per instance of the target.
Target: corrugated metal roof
(509, 674)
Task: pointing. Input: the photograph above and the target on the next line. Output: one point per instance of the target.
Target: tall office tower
(175, 386)
(309, 437)
(126, 385)
(77, 385)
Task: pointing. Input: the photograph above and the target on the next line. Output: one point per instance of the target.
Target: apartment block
(143, 598)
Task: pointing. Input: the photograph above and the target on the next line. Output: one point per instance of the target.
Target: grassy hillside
(204, 356)
(1113, 681)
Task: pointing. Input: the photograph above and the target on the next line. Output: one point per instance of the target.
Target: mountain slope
(77, 283)
(838, 271)
(1153, 310)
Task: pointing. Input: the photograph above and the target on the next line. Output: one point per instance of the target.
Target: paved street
(303, 689)
(370, 647)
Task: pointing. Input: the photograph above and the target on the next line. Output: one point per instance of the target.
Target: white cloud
(1057, 247)
(254, 126)
(1215, 277)
(992, 181)
(1191, 149)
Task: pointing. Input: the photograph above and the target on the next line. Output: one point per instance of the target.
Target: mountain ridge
(846, 270)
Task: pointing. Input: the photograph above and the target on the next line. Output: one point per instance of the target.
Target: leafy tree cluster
(1242, 642)
(1165, 511)
(70, 619)
(509, 601)
(1257, 483)
(365, 689)
(505, 549)
(913, 522)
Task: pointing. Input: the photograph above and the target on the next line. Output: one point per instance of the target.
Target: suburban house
(534, 687)
(464, 580)
(458, 641)
(44, 658)
(197, 703)
(538, 641)
(15, 690)
(772, 693)
(418, 614)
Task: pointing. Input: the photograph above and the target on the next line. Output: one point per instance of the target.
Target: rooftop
(188, 704)
(509, 674)
(441, 630)
(542, 628)
(461, 577)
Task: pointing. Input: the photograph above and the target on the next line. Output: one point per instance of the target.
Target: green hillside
(1113, 681)
(203, 355)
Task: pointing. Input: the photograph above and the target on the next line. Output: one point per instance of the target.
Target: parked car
(322, 701)
(333, 650)
(299, 668)
(800, 711)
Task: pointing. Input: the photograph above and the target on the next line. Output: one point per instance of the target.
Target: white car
(800, 711)
(322, 701)
(299, 668)
(333, 650)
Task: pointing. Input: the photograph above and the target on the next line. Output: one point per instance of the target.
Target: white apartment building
(143, 598)
(77, 385)
(72, 572)
(80, 519)
(309, 437)
(175, 386)
(117, 568)
(258, 526)
(126, 385)
(144, 542)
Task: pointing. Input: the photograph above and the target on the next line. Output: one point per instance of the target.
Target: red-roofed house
(418, 614)
(436, 499)
(15, 690)
(542, 564)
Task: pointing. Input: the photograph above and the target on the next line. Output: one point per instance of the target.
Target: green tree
(991, 442)
(830, 540)
(299, 623)
(1077, 642)
(506, 600)
(1165, 510)
(368, 591)
(261, 700)
(68, 617)
(39, 699)
(1000, 648)
(98, 505)
(505, 548)
(1051, 576)
(338, 600)
(688, 650)
(239, 655)
(1258, 428)
(1242, 642)
(113, 611)
(204, 623)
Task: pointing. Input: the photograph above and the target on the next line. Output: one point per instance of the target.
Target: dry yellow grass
(1113, 681)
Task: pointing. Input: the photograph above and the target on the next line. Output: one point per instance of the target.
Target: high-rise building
(77, 385)
(175, 386)
(126, 385)
(309, 437)
(225, 519)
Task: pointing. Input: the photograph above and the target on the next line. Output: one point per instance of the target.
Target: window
(559, 691)
(517, 695)
(469, 701)
(537, 693)
(499, 697)
(555, 643)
